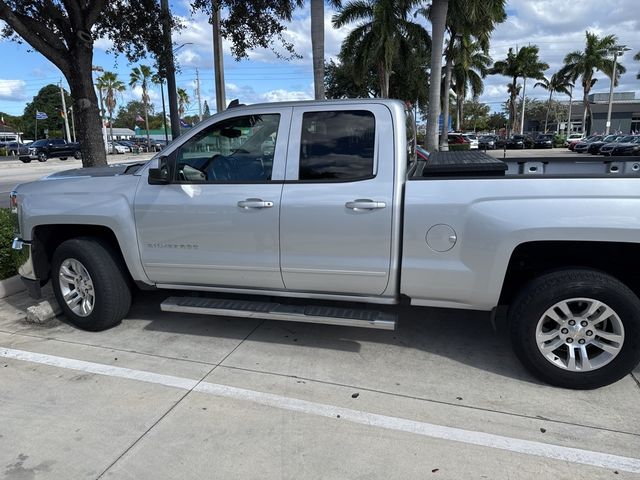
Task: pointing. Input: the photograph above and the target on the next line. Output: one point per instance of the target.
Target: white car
(473, 140)
(116, 148)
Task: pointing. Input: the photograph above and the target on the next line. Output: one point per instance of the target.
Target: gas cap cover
(441, 238)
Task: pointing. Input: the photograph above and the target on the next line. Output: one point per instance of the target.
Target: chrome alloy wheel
(580, 334)
(76, 287)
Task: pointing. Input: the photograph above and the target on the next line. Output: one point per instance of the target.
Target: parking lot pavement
(168, 396)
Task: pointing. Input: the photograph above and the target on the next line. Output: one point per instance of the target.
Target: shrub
(459, 147)
(558, 140)
(9, 258)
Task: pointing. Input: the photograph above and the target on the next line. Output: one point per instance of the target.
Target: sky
(557, 27)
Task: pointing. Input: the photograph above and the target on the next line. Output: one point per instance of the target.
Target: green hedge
(9, 258)
(458, 147)
(558, 140)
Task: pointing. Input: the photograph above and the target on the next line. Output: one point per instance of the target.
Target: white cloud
(12, 90)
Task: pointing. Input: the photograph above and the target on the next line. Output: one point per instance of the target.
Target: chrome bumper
(25, 269)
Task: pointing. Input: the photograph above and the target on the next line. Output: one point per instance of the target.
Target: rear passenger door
(336, 209)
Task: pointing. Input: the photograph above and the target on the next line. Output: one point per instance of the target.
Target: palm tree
(470, 66)
(109, 85)
(317, 44)
(524, 63)
(557, 83)
(384, 32)
(596, 56)
(142, 76)
(438, 16)
(183, 101)
(475, 18)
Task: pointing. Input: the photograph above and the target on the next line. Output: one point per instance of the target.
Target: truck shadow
(464, 337)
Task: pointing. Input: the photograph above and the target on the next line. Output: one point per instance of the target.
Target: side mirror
(160, 175)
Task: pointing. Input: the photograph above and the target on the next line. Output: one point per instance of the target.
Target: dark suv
(42, 150)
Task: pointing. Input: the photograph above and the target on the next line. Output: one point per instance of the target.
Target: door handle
(254, 203)
(365, 204)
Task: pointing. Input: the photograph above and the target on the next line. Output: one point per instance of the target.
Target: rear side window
(337, 145)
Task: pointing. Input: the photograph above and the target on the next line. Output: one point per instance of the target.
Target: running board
(350, 317)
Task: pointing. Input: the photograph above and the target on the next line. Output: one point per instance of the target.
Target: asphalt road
(13, 171)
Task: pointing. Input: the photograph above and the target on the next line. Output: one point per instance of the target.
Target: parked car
(544, 140)
(158, 145)
(457, 139)
(572, 139)
(116, 148)
(13, 148)
(628, 149)
(334, 226)
(488, 142)
(42, 150)
(583, 145)
(473, 140)
(594, 147)
(609, 149)
(520, 141)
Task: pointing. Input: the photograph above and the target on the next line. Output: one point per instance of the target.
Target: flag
(41, 115)
(139, 118)
(184, 124)
(62, 113)
(2, 120)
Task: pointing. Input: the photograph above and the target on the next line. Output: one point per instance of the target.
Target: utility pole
(64, 113)
(618, 51)
(218, 59)
(164, 111)
(198, 95)
(73, 123)
(524, 100)
(169, 70)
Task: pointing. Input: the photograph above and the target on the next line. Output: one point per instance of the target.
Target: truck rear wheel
(42, 157)
(576, 328)
(90, 284)
(77, 155)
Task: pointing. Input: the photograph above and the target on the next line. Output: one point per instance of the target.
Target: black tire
(111, 284)
(77, 155)
(63, 158)
(25, 160)
(542, 293)
(42, 157)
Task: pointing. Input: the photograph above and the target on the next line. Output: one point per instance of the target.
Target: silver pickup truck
(320, 212)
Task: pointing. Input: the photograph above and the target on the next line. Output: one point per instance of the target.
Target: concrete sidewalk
(181, 396)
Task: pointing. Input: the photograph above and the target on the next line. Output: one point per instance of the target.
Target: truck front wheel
(42, 157)
(576, 328)
(89, 284)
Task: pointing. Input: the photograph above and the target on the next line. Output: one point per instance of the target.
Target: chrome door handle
(254, 203)
(365, 204)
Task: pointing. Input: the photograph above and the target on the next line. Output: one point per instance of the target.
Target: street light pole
(618, 51)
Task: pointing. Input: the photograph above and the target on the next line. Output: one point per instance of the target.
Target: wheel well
(529, 260)
(47, 238)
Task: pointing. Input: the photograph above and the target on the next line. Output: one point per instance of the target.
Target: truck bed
(479, 164)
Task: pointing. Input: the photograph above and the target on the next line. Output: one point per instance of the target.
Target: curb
(11, 286)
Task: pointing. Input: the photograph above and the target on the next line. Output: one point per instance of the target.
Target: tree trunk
(85, 105)
(146, 121)
(444, 135)
(546, 118)
(384, 74)
(585, 102)
(317, 47)
(111, 124)
(438, 22)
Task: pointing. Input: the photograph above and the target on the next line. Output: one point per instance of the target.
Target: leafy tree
(341, 81)
(523, 63)
(596, 56)
(183, 101)
(110, 86)
(556, 83)
(142, 76)
(471, 64)
(206, 112)
(476, 116)
(496, 121)
(65, 31)
(126, 117)
(47, 100)
(383, 34)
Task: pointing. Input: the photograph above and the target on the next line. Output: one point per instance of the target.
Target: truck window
(337, 146)
(235, 150)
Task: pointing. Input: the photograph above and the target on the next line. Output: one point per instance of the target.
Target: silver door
(336, 226)
(218, 223)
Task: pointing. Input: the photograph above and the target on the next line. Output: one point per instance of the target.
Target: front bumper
(26, 269)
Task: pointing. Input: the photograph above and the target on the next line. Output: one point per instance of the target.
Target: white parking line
(527, 447)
